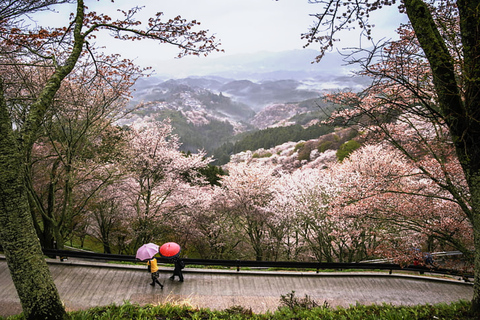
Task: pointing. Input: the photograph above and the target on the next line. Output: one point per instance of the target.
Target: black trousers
(155, 278)
(177, 272)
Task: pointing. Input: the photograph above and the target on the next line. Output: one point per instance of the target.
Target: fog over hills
(292, 64)
(258, 80)
(243, 93)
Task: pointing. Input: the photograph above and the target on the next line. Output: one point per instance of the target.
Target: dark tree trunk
(30, 273)
(461, 113)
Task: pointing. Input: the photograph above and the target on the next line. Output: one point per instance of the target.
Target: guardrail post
(238, 265)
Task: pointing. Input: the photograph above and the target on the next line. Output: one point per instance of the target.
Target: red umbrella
(170, 250)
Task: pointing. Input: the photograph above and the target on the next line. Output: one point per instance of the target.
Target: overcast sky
(242, 26)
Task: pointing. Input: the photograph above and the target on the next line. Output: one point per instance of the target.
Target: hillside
(313, 153)
(269, 138)
(256, 94)
(206, 118)
(274, 90)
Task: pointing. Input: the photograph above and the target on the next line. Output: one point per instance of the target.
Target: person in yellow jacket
(153, 268)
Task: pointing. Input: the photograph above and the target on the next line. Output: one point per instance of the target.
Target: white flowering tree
(108, 219)
(407, 207)
(158, 178)
(204, 225)
(248, 191)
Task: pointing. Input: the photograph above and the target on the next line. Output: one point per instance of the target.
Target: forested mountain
(245, 102)
(249, 103)
(315, 152)
(268, 138)
(207, 112)
(256, 94)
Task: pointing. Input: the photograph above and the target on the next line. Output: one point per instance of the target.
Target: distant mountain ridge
(259, 79)
(226, 99)
(260, 66)
(208, 111)
(204, 119)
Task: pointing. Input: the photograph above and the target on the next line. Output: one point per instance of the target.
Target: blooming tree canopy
(159, 176)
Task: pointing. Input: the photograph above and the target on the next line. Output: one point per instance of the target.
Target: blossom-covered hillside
(314, 153)
(207, 112)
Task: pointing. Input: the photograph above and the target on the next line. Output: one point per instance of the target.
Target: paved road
(83, 285)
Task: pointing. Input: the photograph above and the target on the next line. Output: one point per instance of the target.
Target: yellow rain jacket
(153, 265)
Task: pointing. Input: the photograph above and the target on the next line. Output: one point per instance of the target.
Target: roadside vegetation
(291, 307)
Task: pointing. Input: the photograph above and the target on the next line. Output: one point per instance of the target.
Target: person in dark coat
(177, 271)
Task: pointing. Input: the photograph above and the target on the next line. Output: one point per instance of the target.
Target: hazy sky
(242, 26)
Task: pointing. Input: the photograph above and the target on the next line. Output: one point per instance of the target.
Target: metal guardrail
(439, 254)
(238, 264)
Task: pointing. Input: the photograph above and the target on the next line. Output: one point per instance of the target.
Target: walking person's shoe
(152, 284)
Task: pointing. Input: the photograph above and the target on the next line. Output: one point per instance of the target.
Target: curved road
(86, 284)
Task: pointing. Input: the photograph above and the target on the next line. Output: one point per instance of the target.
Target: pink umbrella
(147, 251)
(170, 250)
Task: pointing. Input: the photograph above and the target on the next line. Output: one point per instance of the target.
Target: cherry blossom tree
(284, 241)
(81, 139)
(159, 177)
(400, 108)
(447, 35)
(60, 196)
(411, 211)
(57, 51)
(319, 231)
(107, 219)
(206, 227)
(286, 236)
(248, 190)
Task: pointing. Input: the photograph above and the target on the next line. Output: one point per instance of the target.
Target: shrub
(263, 155)
(299, 146)
(293, 308)
(324, 146)
(293, 303)
(347, 148)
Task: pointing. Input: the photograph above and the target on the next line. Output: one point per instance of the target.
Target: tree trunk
(461, 115)
(474, 187)
(59, 240)
(476, 283)
(106, 247)
(30, 273)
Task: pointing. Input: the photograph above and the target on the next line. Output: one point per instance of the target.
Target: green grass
(89, 244)
(296, 310)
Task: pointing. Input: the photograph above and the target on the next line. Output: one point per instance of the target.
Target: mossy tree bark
(29, 271)
(28, 268)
